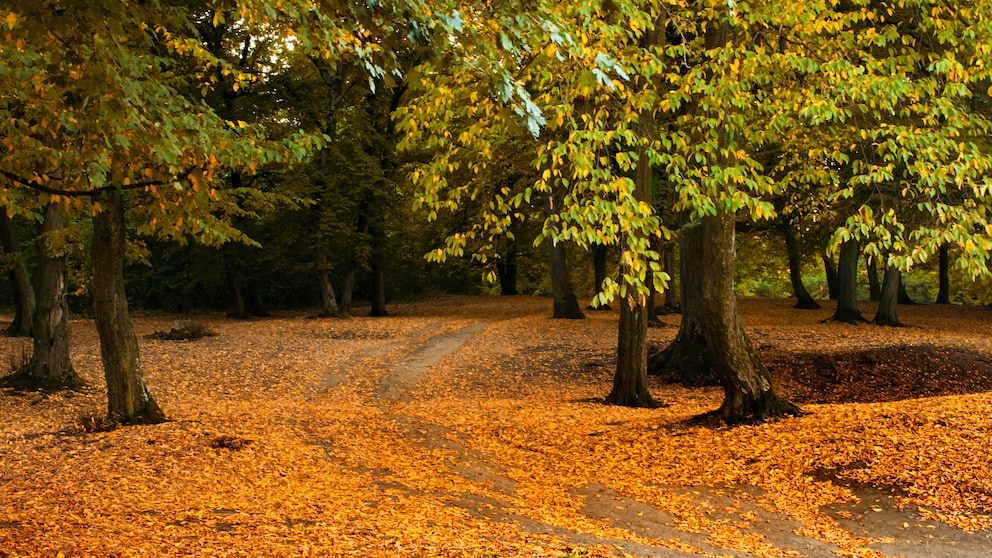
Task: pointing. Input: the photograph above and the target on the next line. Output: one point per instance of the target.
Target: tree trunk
(803, 299)
(565, 303)
(748, 391)
(49, 368)
(943, 276)
(24, 298)
(507, 274)
(874, 286)
(600, 256)
(378, 289)
(847, 284)
(128, 399)
(328, 304)
(378, 234)
(630, 382)
(673, 301)
(348, 290)
(232, 273)
(889, 299)
(830, 271)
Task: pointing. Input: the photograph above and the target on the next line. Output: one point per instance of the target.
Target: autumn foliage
(290, 437)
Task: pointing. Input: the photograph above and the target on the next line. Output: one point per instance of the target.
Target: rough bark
(328, 304)
(630, 382)
(889, 299)
(943, 276)
(830, 271)
(847, 284)
(874, 285)
(49, 368)
(565, 303)
(748, 391)
(128, 398)
(803, 299)
(686, 360)
(20, 280)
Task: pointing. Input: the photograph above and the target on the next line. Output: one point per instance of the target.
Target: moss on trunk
(128, 398)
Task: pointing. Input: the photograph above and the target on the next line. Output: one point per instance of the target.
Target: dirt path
(895, 530)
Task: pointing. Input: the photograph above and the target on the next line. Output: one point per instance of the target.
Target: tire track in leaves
(397, 384)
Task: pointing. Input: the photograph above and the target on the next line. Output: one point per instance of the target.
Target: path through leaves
(473, 427)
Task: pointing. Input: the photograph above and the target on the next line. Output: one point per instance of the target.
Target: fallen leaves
(279, 445)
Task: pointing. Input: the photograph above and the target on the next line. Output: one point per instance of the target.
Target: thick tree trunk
(630, 382)
(565, 303)
(847, 284)
(943, 276)
(24, 298)
(889, 299)
(803, 299)
(128, 399)
(830, 271)
(506, 271)
(874, 285)
(748, 391)
(49, 368)
(328, 304)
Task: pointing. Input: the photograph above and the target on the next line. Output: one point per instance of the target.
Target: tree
(150, 134)
(17, 269)
(50, 368)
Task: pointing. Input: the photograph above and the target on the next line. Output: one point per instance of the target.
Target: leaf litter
(502, 444)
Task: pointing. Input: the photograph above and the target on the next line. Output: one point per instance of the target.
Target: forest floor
(470, 426)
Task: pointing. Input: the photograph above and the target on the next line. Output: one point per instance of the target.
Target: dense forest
(252, 155)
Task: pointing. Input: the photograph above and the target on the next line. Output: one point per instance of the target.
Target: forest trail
(877, 516)
(473, 427)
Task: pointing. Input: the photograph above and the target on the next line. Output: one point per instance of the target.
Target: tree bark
(673, 301)
(348, 290)
(943, 276)
(830, 271)
(874, 285)
(328, 304)
(803, 299)
(49, 368)
(748, 391)
(889, 299)
(565, 303)
(128, 398)
(630, 382)
(847, 284)
(24, 298)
